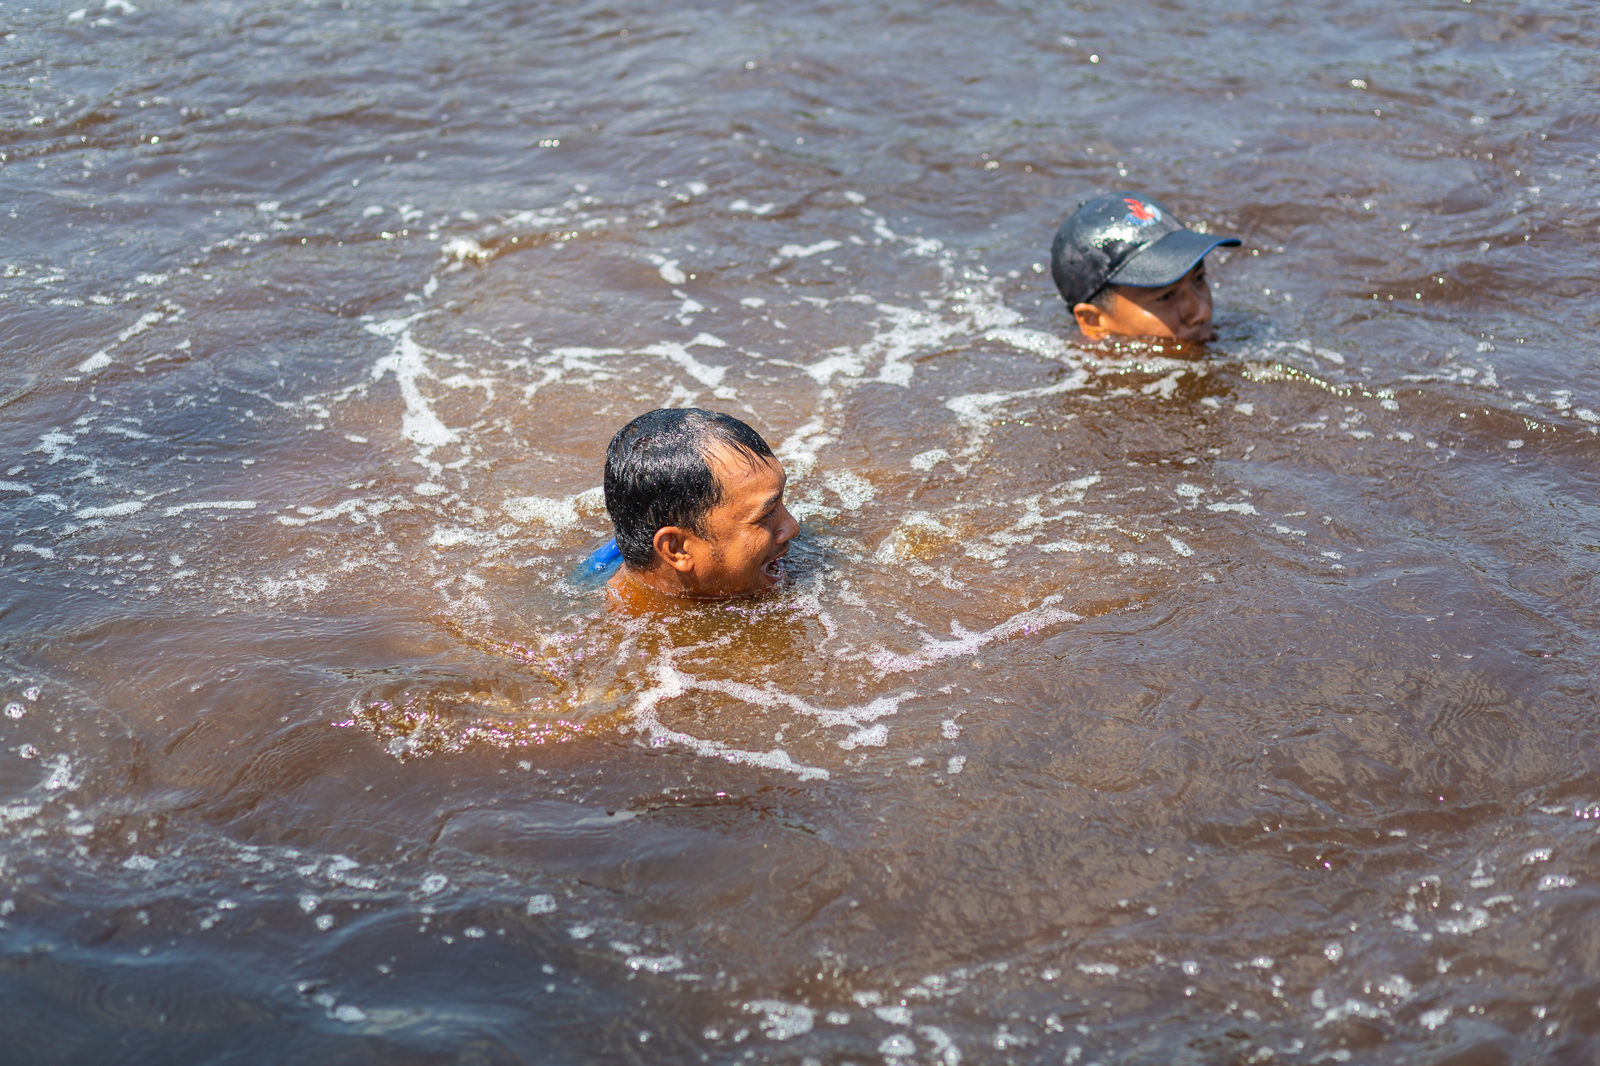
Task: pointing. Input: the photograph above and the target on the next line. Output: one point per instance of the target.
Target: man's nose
(788, 529)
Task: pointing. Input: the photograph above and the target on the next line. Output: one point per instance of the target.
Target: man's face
(1180, 311)
(749, 531)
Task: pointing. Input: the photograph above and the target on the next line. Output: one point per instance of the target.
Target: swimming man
(1128, 268)
(696, 499)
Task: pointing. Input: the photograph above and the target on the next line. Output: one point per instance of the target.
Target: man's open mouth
(773, 567)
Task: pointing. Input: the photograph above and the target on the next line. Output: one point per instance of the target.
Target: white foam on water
(102, 359)
(671, 683)
(688, 308)
(588, 360)
(975, 409)
(896, 1047)
(842, 360)
(780, 1020)
(114, 510)
(33, 549)
(900, 334)
(455, 537)
(408, 362)
(555, 513)
(929, 459)
(772, 698)
(909, 332)
(948, 1054)
(274, 588)
(874, 736)
(965, 642)
(799, 449)
(214, 505)
(668, 269)
(1433, 1019)
(461, 249)
(644, 713)
(1165, 387)
(894, 1015)
(61, 775)
(358, 509)
(853, 490)
(899, 545)
(707, 375)
(1236, 508)
(655, 963)
(1305, 347)
(921, 246)
(54, 445)
(1038, 343)
(805, 251)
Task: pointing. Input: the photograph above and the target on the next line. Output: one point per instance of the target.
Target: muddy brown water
(1124, 706)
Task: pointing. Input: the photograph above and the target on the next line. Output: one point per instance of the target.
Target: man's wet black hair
(658, 474)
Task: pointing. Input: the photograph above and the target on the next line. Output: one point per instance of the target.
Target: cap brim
(1168, 259)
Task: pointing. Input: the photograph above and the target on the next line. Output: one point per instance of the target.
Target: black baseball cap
(1124, 238)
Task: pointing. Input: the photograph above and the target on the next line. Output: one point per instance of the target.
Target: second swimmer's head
(1128, 268)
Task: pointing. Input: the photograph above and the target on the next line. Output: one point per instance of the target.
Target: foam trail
(407, 361)
(102, 359)
(115, 510)
(965, 642)
(219, 505)
(972, 408)
(672, 682)
(705, 374)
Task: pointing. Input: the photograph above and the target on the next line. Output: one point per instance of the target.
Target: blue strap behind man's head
(597, 568)
(603, 558)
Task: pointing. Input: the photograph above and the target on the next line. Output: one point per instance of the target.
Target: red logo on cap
(1143, 214)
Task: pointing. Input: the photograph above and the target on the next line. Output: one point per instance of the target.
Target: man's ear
(672, 547)
(1091, 321)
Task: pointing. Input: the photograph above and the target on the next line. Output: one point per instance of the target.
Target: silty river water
(1125, 706)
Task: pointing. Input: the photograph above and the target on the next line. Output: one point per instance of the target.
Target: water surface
(1125, 706)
